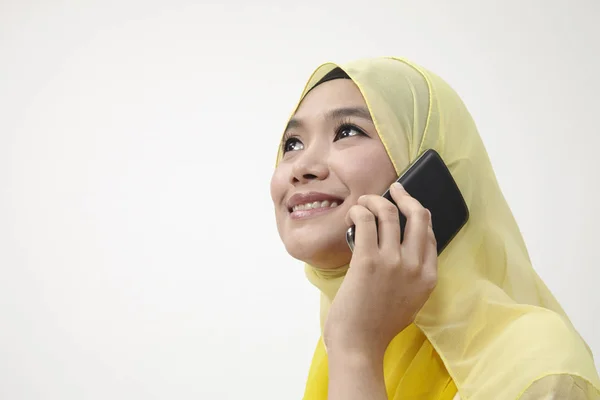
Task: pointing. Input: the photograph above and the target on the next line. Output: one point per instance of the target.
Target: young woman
(399, 322)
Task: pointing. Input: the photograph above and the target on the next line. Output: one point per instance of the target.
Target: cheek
(367, 171)
(278, 185)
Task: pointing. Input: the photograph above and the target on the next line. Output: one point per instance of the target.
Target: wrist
(353, 346)
(355, 372)
(361, 357)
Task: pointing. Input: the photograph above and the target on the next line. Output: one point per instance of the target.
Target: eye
(348, 130)
(292, 144)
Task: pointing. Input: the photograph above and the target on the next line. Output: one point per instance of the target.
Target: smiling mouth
(314, 209)
(315, 205)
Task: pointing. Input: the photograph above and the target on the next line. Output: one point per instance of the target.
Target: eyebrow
(359, 112)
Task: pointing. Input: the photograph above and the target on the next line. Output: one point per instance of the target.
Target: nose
(309, 167)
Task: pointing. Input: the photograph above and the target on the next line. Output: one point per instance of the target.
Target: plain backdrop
(139, 257)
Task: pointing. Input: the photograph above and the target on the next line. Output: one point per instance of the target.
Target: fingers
(430, 259)
(365, 231)
(419, 245)
(418, 220)
(388, 220)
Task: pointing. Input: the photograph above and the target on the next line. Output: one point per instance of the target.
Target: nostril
(309, 176)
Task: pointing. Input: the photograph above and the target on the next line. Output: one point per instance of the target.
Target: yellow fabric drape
(491, 329)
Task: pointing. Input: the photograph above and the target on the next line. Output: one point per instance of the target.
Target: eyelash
(343, 124)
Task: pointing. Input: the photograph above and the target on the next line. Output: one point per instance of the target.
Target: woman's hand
(387, 282)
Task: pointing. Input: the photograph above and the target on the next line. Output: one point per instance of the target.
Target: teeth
(314, 204)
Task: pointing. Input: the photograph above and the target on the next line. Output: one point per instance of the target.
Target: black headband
(336, 73)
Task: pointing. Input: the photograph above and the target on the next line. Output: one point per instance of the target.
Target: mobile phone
(429, 181)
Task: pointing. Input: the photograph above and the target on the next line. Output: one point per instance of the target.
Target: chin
(319, 252)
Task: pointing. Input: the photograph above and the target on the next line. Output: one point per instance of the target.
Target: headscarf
(491, 329)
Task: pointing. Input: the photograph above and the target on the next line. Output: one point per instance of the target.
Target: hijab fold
(491, 329)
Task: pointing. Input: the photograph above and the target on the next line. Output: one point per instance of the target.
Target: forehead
(338, 93)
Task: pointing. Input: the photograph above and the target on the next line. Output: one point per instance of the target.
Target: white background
(139, 257)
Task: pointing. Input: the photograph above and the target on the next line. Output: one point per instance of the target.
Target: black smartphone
(430, 182)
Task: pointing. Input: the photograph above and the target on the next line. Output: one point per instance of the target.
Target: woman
(397, 321)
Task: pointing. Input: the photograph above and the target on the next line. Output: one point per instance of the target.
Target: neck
(328, 281)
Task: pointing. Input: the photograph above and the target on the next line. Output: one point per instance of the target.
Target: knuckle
(366, 216)
(411, 266)
(393, 260)
(356, 208)
(421, 214)
(390, 213)
(368, 264)
(430, 281)
(356, 211)
(432, 238)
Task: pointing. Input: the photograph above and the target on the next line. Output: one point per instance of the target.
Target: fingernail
(397, 185)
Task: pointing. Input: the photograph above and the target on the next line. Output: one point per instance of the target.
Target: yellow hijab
(491, 329)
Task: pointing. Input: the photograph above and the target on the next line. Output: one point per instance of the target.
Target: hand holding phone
(403, 275)
(401, 267)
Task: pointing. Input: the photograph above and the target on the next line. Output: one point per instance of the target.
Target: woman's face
(332, 156)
